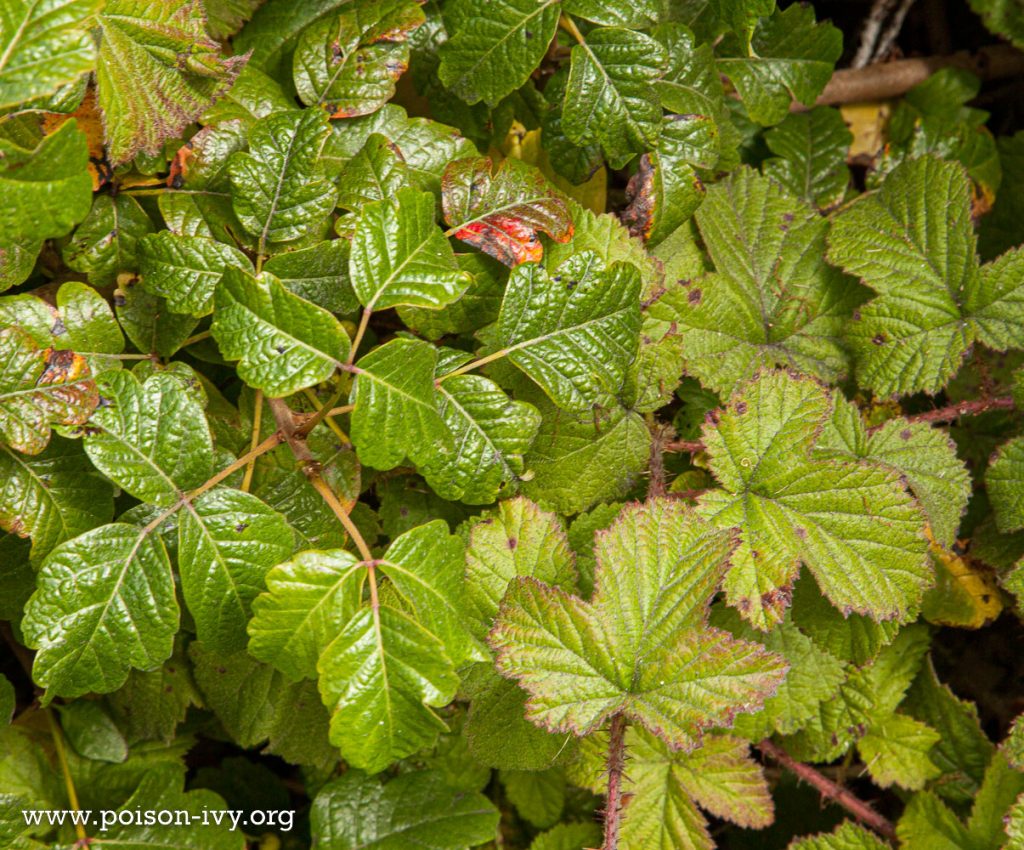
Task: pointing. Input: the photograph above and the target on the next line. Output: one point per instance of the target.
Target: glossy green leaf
(377, 172)
(40, 389)
(790, 57)
(495, 49)
(396, 414)
(349, 64)
(185, 270)
(1004, 481)
(283, 342)
(103, 605)
(106, 243)
(43, 46)
(46, 189)
(575, 332)
(400, 256)
(417, 809)
(855, 527)
(810, 156)
(151, 438)
(280, 192)
(148, 94)
(641, 647)
(609, 97)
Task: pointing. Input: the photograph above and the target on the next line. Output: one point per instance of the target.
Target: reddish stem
(691, 446)
(829, 789)
(616, 763)
(955, 411)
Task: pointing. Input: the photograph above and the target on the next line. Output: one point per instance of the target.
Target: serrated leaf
(395, 413)
(377, 172)
(279, 189)
(52, 496)
(349, 64)
(539, 796)
(610, 97)
(40, 389)
(847, 836)
(46, 189)
(227, 541)
(810, 156)
(257, 704)
(503, 214)
(926, 456)
(146, 93)
(855, 527)
(400, 255)
(574, 333)
(928, 824)
(520, 540)
(104, 604)
(185, 269)
(896, 751)
(1001, 787)
(933, 301)
(1004, 481)
(478, 306)
(282, 342)
(491, 433)
(636, 649)
(43, 46)
(568, 836)
(150, 438)
(494, 50)
(355, 812)
(771, 301)
(790, 57)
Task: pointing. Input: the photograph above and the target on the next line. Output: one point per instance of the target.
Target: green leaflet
(641, 647)
(145, 94)
(539, 796)
(491, 434)
(576, 332)
(609, 97)
(106, 243)
(104, 604)
(396, 414)
(568, 836)
(404, 650)
(185, 269)
(897, 750)
(46, 189)
(377, 172)
(494, 50)
(400, 256)
(279, 189)
(1004, 481)
(150, 438)
(520, 540)
(43, 46)
(349, 64)
(624, 13)
(789, 57)
(52, 496)
(40, 389)
(855, 527)
(283, 342)
(933, 300)
(355, 812)
(503, 214)
(924, 455)
(148, 322)
(227, 540)
(847, 836)
(771, 300)
(810, 156)
(318, 274)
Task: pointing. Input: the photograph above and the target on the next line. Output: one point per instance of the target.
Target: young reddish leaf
(504, 213)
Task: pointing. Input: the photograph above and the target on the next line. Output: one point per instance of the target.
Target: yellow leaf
(965, 594)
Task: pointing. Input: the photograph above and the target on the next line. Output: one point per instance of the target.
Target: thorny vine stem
(616, 764)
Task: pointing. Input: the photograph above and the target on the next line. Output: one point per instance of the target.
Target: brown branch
(616, 763)
(692, 446)
(955, 411)
(829, 789)
(891, 79)
(656, 464)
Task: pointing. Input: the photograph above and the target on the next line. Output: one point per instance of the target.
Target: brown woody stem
(954, 411)
(691, 446)
(616, 764)
(829, 789)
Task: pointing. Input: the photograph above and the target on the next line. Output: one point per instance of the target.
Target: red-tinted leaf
(504, 213)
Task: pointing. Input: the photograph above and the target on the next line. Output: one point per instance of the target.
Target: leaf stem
(58, 744)
(323, 412)
(364, 322)
(955, 411)
(829, 789)
(616, 764)
(199, 337)
(474, 364)
(257, 416)
(569, 25)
